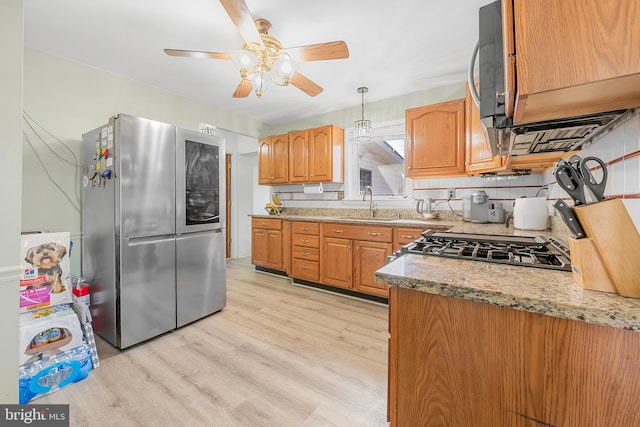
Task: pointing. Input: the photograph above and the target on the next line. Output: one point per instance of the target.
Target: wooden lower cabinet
(402, 236)
(351, 254)
(369, 257)
(305, 250)
(266, 243)
(454, 362)
(334, 254)
(337, 263)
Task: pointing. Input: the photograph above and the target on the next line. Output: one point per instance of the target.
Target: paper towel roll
(313, 189)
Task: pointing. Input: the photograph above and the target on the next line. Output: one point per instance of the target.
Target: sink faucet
(364, 197)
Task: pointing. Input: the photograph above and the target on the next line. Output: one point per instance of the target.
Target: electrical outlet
(451, 193)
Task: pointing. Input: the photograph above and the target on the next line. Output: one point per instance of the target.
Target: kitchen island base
(456, 362)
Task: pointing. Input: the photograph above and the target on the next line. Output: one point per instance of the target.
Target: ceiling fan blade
(320, 51)
(197, 54)
(242, 19)
(243, 90)
(305, 85)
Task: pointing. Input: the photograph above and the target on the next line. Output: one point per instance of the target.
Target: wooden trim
(228, 204)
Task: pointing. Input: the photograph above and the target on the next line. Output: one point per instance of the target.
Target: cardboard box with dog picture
(45, 277)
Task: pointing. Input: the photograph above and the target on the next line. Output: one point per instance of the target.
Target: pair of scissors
(577, 178)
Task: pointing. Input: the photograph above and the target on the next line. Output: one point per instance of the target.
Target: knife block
(615, 241)
(587, 267)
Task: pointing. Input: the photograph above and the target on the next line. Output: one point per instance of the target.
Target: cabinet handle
(409, 237)
(306, 228)
(306, 241)
(264, 223)
(305, 267)
(336, 231)
(373, 234)
(305, 253)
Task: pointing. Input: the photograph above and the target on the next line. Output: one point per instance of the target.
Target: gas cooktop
(512, 250)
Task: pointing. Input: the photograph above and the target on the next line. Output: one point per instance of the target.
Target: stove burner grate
(511, 250)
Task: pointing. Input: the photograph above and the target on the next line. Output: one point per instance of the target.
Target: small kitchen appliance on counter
(530, 213)
(425, 208)
(475, 208)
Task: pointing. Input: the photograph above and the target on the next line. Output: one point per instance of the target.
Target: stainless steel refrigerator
(153, 217)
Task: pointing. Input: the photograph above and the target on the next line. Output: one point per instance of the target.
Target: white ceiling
(396, 47)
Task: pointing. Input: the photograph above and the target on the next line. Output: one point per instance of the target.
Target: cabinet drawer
(358, 232)
(402, 236)
(267, 223)
(305, 240)
(306, 270)
(303, 227)
(312, 254)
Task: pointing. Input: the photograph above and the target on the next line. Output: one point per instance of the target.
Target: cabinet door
(435, 140)
(280, 159)
(478, 151)
(299, 156)
(320, 159)
(259, 247)
(274, 252)
(273, 160)
(266, 248)
(369, 257)
(265, 163)
(575, 57)
(336, 262)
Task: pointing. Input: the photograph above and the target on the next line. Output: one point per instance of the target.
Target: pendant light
(362, 127)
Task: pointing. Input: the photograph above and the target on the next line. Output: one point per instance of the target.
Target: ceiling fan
(262, 58)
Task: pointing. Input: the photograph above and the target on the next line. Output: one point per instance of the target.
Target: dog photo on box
(45, 277)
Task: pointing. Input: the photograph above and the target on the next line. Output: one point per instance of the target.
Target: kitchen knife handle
(569, 219)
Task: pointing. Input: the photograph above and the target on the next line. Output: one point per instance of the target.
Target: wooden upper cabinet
(478, 151)
(435, 140)
(299, 156)
(574, 57)
(326, 154)
(316, 155)
(273, 160)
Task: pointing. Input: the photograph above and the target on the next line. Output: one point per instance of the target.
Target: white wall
(247, 164)
(10, 177)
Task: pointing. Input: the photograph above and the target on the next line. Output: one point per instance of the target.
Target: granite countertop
(450, 224)
(547, 292)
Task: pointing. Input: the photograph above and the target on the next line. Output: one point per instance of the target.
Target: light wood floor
(277, 355)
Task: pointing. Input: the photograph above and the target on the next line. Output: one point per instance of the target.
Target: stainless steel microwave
(506, 138)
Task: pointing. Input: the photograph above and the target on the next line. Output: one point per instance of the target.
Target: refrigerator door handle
(186, 236)
(141, 241)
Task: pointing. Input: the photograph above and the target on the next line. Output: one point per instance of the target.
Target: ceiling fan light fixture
(284, 68)
(244, 60)
(362, 128)
(260, 80)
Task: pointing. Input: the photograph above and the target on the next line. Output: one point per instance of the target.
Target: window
(378, 163)
(365, 178)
